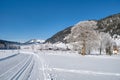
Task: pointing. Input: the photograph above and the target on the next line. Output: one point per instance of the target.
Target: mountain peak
(35, 41)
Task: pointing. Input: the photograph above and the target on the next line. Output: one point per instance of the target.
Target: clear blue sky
(21, 20)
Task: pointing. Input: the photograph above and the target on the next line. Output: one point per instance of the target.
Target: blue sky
(21, 20)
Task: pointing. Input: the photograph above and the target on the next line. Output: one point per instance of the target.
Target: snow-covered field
(8, 53)
(57, 65)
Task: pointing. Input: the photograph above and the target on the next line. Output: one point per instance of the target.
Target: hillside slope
(110, 24)
(59, 37)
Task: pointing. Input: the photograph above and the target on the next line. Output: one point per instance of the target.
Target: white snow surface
(58, 65)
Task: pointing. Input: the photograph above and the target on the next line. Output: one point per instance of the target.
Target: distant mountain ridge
(8, 44)
(110, 24)
(33, 41)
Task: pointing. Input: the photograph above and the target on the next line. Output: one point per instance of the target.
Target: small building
(115, 51)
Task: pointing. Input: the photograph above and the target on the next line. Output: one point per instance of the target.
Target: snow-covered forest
(86, 39)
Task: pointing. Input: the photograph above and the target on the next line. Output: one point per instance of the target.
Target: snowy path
(17, 67)
(55, 65)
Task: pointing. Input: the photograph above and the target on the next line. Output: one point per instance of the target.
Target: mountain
(110, 24)
(8, 44)
(59, 37)
(34, 41)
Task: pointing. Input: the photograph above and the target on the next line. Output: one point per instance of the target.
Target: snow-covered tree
(105, 42)
(84, 34)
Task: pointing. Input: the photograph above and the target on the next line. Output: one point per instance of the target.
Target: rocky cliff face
(110, 24)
